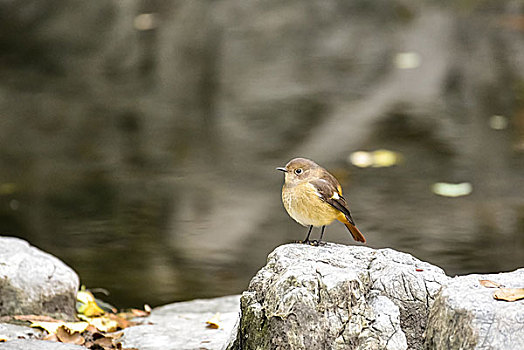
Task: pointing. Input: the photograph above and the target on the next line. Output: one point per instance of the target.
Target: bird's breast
(303, 204)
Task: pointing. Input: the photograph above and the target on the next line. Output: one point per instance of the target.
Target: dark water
(145, 158)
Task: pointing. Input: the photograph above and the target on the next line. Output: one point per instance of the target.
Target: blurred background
(139, 138)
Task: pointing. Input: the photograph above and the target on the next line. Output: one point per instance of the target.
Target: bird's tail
(357, 235)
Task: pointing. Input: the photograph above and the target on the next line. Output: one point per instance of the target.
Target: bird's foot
(314, 242)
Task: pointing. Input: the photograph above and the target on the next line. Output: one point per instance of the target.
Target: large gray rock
(13, 332)
(24, 344)
(182, 326)
(338, 297)
(34, 282)
(466, 316)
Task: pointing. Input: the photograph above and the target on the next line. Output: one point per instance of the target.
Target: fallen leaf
(121, 321)
(115, 335)
(140, 313)
(489, 284)
(213, 322)
(147, 308)
(86, 304)
(69, 337)
(36, 318)
(105, 342)
(50, 337)
(76, 326)
(52, 327)
(509, 294)
(104, 324)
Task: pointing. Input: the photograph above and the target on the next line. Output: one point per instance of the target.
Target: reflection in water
(156, 238)
(141, 149)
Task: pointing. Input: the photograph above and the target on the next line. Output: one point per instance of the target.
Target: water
(145, 157)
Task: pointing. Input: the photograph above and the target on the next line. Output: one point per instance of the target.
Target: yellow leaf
(86, 304)
(213, 322)
(76, 326)
(104, 324)
(50, 327)
(509, 294)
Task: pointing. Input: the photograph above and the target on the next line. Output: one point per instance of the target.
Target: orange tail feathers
(357, 235)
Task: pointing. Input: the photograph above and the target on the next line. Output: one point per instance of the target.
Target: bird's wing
(331, 195)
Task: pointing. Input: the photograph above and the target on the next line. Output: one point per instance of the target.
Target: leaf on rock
(105, 343)
(509, 294)
(35, 318)
(49, 327)
(104, 324)
(52, 327)
(68, 336)
(213, 322)
(489, 284)
(50, 337)
(86, 304)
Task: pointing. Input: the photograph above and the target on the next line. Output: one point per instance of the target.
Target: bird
(313, 197)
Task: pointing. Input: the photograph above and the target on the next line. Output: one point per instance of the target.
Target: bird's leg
(306, 241)
(317, 243)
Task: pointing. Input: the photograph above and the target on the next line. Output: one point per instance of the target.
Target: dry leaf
(509, 294)
(489, 284)
(121, 321)
(140, 313)
(52, 327)
(213, 322)
(104, 324)
(35, 318)
(50, 337)
(69, 337)
(105, 342)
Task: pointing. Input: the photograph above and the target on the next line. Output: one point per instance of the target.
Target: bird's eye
(298, 171)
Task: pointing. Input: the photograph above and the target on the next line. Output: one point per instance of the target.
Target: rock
(34, 282)
(466, 316)
(13, 332)
(183, 325)
(338, 297)
(24, 344)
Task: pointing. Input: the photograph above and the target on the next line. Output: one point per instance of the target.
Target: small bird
(313, 197)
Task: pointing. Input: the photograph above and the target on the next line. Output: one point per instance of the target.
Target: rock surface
(181, 326)
(338, 297)
(13, 332)
(466, 316)
(24, 344)
(328, 297)
(34, 282)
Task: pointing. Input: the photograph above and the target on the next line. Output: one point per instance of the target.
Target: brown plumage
(313, 197)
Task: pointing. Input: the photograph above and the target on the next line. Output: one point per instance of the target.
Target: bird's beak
(282, 169)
